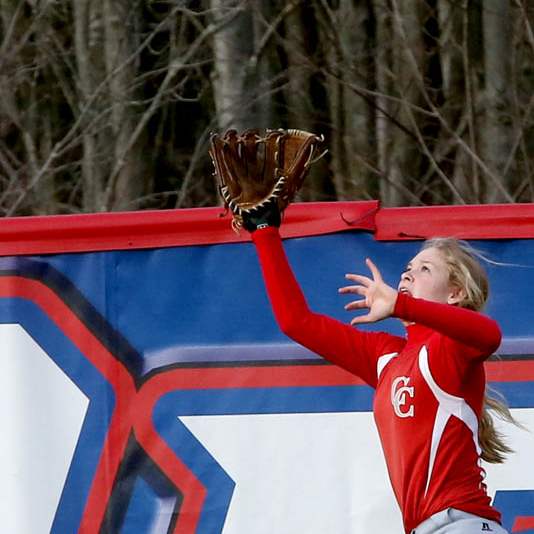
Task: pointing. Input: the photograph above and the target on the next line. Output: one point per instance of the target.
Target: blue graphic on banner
(205, 308)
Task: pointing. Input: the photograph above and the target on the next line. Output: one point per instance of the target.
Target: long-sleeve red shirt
(429, 386)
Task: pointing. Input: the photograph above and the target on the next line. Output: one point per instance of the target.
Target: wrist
(399, 305)
(261, 217)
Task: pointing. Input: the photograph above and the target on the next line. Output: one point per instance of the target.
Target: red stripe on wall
(489, 221)
(510, 371)
(168, 228)
(109, 367)
(522, 524)
(207, 226)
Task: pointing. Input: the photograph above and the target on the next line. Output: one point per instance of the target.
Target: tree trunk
(84, 40)
(497, 135)
(119, 44)
(42, 117)
(458, 108)
(300, 109)
(383, 127)
(233, 46)
(404, 155)
(351, 114)
(261, 72)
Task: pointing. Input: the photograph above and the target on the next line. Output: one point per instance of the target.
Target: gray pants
(452, 521)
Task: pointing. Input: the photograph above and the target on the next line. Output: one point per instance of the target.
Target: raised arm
(339, 343)
(477, 332)
(468, 327)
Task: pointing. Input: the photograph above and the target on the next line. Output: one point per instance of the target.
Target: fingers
(363, 319)
(356, 305)
(359, 290)
(364, 280)
(377, 277)
(365, 287)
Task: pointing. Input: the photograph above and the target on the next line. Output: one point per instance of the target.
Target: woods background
(108, 104)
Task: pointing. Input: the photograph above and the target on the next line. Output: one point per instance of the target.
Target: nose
(406, 277)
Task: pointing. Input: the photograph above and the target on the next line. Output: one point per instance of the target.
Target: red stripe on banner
(194, 493)
(489, 221)
(167, 228)
(205, 226)
(510, 371)
(308, 375)
(257, 377)
(112, 370)
(192, 490)
(521, 524)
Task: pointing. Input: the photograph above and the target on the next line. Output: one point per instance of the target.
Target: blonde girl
(429, 404)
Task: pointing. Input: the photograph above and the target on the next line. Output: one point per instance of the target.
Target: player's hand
(378, 297)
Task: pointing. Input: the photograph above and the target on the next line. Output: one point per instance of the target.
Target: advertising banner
(146, 387)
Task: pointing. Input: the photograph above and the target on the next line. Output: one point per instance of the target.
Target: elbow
(289, 325)
(291, 318)
(493, 337)
(295, 326)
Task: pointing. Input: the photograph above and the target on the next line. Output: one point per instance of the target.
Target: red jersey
(429, 386)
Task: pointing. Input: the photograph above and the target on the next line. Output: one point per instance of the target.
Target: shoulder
(386, 341)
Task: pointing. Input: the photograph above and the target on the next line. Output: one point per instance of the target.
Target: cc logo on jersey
(399, 391)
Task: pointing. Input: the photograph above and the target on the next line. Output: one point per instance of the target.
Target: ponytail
(491, 441)
(466, 271)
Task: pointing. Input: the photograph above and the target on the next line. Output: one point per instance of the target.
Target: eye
(425, 269)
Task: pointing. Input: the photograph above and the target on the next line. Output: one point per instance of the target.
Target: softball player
(430, 405)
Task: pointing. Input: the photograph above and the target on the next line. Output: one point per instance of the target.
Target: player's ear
(456, 295)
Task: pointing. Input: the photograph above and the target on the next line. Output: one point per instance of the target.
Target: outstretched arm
(378, 297)
(340, 343)
(468, 327)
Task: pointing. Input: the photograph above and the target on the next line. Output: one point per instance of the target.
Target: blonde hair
(466, 272)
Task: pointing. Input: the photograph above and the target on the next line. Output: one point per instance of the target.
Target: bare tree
(128, 180)
(497, 134)
(349, 68)
(108, 104)
(241, 73)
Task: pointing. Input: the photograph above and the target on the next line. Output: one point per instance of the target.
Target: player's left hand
(379, 297)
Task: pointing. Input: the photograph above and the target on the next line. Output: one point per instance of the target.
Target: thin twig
(417, 77)
(174, 68)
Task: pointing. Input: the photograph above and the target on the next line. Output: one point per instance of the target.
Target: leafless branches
(108, 104)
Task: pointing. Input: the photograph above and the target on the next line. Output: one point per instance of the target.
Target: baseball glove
(258, 170)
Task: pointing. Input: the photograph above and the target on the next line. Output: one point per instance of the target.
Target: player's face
(427, 277)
